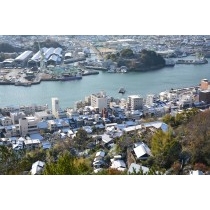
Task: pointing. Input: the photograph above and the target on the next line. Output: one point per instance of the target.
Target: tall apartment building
(100, 100)
(204, 84)
(55, 107)
(28, 125)
(135, 102)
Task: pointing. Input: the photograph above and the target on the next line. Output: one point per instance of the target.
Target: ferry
(122, 90)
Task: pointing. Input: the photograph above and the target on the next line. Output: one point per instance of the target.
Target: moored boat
(69, 76)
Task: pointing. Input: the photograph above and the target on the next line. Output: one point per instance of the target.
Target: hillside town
(102, 121)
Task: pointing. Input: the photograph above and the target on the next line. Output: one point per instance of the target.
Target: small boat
(69, 76)
(122, 90)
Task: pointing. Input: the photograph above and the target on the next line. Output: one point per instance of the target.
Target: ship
(196, 61)
(122, 90)
(69, 76)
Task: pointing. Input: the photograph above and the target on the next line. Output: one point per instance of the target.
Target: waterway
(141, 83)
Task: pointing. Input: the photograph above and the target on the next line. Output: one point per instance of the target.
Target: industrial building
(22, 59)
(51, 56)
(9, 63)
(35, 60)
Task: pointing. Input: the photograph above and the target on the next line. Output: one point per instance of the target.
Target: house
(197, 172)
(141, 151)
(99, 156)
(46, 145)
(106, 138)
(156, 125)
(36, 136)
(32, 143)
(136, 167)
(37, 167)
(118, 164)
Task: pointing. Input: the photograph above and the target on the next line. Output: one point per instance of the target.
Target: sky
(150, 17)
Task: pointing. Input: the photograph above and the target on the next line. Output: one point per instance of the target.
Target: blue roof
(130, 123)
(65, 130)
(164, 127)
(121, 126)
(36, 136)
(100, 126)
(42, 125)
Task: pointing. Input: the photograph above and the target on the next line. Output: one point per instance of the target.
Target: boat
(196, 61)
(122, 90)
(200, 61)
(111, 71)
(89, 72)
(69, 76)
(169, 62)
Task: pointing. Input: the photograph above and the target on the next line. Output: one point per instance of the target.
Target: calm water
(135, 83)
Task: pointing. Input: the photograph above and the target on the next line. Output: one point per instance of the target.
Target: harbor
(142, 83)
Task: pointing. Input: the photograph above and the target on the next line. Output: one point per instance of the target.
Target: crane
(42, 58)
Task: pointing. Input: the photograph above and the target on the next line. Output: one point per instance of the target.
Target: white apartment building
(150, 99)
(28, 125)
(100, 100)
(15, 116)
(186, 99)
(5, 121)
(163, 95)
(172, 96)
(28, 109)
(51, 125)
(135, 102)
(55, 107)
(43, 115)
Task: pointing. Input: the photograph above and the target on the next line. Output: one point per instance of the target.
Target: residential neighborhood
(106, 133)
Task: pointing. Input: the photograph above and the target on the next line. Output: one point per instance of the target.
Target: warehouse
(8, 63)
(34, 61)
(23, 58)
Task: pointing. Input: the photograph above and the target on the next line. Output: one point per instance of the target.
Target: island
(143, 61)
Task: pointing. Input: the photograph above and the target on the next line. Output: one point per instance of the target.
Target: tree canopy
(165, 148)
(146, 60)
(67, 165)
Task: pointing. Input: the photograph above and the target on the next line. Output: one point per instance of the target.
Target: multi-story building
(28, 125)
(15, 116)
(100, 100)
(204, 96)
(204, 84)
(44, 115)
(150, 99)
(186, 100)
(55, 107)
(135, 102)
(5, 121)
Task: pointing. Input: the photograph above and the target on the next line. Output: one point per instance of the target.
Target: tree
(196, 138)
(81, 138)
(9, 160)
(165, 148)
(67, 165)
(127, 53)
